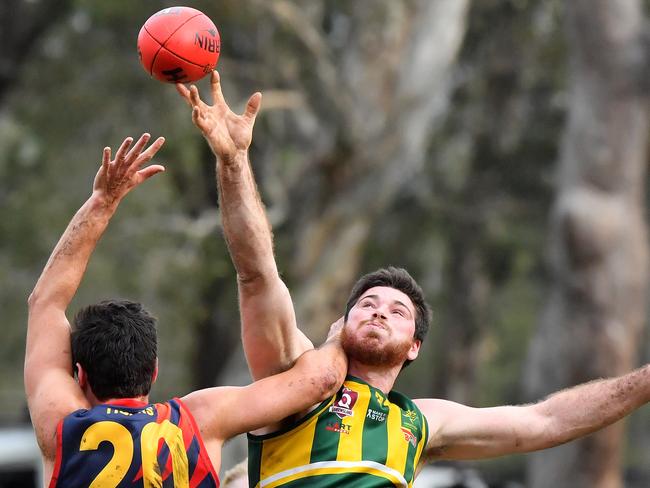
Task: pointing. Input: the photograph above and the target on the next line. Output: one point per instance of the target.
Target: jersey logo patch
(411, 415)
(375, 415)
(409, 436)
(382, 401)
(344, 405)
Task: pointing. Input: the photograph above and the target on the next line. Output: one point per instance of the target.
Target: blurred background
(497, 149)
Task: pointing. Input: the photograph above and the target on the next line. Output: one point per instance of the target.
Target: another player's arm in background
(461, 432)
(52, 392)
(224, 412)
(271, 338)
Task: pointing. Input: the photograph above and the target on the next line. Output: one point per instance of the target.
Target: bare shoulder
(440, 414)
(444, 418)
(209, 407)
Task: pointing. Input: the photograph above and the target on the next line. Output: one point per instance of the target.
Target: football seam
(162, 45)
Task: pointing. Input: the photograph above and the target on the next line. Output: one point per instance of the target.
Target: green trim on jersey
(360, 437)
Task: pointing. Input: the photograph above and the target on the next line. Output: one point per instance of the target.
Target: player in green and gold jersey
(367, 435)
(362, 437)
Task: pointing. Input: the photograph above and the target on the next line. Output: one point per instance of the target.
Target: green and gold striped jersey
(359, 438)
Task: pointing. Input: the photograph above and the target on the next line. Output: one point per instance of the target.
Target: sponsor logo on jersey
(409, 436)
(375, 415)
(341, 428)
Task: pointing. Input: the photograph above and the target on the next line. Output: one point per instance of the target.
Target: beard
(370, 351)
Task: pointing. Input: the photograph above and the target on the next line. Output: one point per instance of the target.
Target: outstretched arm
(271, 338)
(460, 432)
(315, 376)
(51, 390)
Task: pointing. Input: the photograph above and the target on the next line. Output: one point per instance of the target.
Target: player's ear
(155, 373)
(415, 350)
(82, 377)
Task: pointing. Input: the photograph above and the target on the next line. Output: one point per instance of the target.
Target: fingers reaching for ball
(193, 98)
(117, 176)
(190, 95)
(253, 107)
(215, 86)
(184, 93)
(226, 132)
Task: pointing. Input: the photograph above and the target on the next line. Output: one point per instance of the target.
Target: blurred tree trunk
(384, 94)
(502, 98)
(598, 250)
(456, 351)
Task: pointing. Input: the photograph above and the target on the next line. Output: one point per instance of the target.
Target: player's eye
(398, 312)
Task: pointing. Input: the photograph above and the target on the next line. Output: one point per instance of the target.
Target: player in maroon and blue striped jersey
(88, 385)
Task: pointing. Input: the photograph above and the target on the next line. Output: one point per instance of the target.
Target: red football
(179, 44)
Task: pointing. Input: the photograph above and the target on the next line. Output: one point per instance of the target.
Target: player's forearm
(581, 410)
(246, 228)
(63, 272)
(315, 376)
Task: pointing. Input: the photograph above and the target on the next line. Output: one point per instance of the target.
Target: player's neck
(126, 402)
(381, 378)
(94, 401)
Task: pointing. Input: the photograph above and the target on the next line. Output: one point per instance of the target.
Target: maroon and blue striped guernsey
(127, 443)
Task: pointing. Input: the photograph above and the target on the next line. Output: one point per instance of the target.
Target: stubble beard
(370, 351)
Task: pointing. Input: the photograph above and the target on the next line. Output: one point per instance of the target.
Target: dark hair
(115, 342)
(401, 280)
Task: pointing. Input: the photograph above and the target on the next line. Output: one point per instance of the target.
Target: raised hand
(118, 176)
(226, 132)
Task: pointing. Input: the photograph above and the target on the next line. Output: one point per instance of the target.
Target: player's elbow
(38, 300)
(32, 299)
(35, 301)
(326, 376)
(257, 278)
(544, 430)
(44, 303)
(327, 383)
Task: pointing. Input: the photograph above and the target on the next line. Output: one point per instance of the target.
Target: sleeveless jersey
(130, 443)
(359, 438)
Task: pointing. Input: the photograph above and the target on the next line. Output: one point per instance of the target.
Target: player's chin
(372, 333)
(371, 349)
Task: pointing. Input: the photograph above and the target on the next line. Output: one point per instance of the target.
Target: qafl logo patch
(344, 405)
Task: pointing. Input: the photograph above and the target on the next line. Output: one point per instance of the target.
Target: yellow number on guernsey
(118, 435)
(117, 467)
(173, 436)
